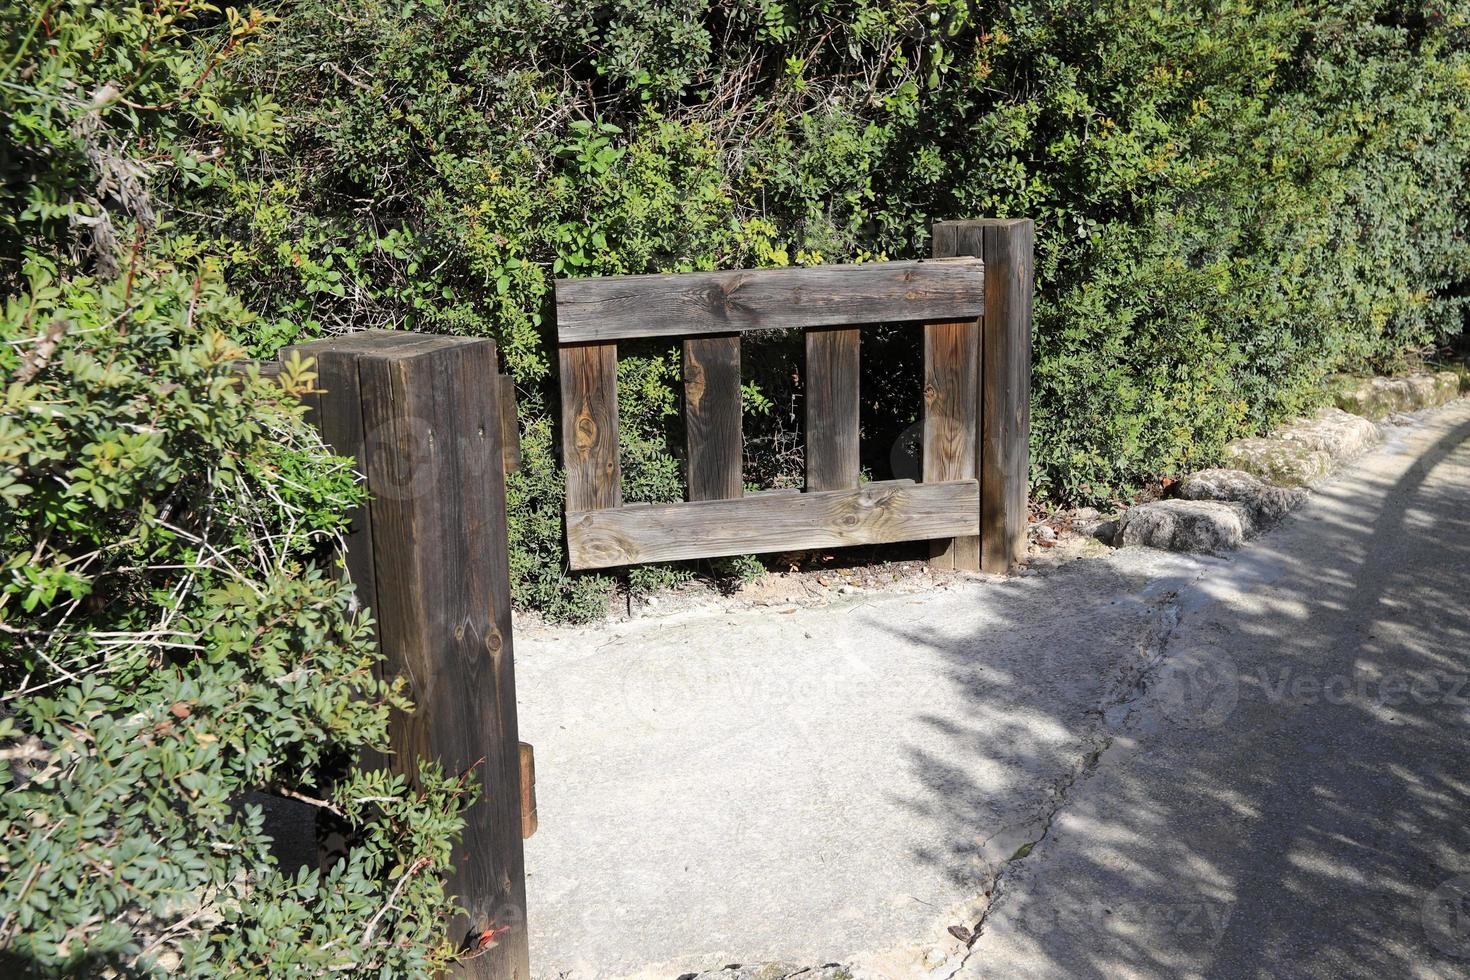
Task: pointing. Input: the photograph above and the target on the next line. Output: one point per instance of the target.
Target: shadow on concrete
(1291, 793)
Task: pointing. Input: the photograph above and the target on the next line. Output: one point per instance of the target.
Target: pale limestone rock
(1284, 462)
(1376, 398)
(1267, 504)
(1209, 526)
(1339, 434)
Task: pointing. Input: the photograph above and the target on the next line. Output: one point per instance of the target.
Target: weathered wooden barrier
(432, 426)
(974, 302)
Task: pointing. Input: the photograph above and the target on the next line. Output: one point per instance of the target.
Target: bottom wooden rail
(873, 513)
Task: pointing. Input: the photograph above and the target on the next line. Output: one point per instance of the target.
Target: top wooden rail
(696, 303)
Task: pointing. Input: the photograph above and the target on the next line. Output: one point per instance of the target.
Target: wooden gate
(973, 302)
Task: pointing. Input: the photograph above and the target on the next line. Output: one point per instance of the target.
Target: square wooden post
(1006, 245)
(423, 417)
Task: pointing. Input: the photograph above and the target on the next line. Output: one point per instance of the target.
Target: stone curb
(1219, 509)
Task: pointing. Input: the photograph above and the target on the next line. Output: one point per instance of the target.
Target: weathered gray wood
(589, 426)
(895, 510)
(951, 446)
(1007, 247)
(268, 369)
(832, 369)
(690, 304)
(712, 417)
(336, 410)
(432, 427)
(510, 429)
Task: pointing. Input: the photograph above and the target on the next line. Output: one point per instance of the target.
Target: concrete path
(1135, 765)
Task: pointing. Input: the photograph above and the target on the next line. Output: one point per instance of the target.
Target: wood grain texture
(694, 303)
(895, 510)
(832, 371)
(336, 409)
(433, 459)
(510, 427)
(951, 444)
(1007, 247)
(589, 426)
(1005, 433)
(528, 790)
(715, 448)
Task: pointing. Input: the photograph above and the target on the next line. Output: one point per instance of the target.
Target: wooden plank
(268, 369)
(336, 410)
(528, 790)
(832, 365)
(1007, 246)
(712, 417)
(433, 460)
(951, 423)
(690, 304)
(895, 510)
(510, 428)
(589, 426)
(948, 462)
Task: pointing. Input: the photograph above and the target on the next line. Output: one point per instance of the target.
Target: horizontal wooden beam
(894, 510)
(694, 303)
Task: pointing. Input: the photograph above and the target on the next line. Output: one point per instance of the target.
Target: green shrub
(175, 648)
(1233, 201)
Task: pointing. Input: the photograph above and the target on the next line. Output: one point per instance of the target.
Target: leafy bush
(1232, 201)
(175, 651)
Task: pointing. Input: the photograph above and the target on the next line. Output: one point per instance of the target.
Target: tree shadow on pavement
(1285, 787)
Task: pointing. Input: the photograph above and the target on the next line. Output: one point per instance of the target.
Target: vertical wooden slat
(712, 417)
(1005, 459)
(832, 408)
(1006, 245)
(336, 409)
(510, 428)
(589, 426)
(951, 423)
(952, 400)
(432, 449)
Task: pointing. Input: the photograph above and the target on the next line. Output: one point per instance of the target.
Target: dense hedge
(1233, 200)
(175, 652)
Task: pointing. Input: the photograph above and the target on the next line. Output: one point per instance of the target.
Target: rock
(1375, 398)
(1339, 434)
(1083, 515)
(1267, 504)
(1045, 532)
(1208, 526)
(1104, 531)
(1284, 462)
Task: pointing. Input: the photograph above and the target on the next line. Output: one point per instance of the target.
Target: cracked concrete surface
(1111, 768)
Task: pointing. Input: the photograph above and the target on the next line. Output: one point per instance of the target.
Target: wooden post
(423, 417)
(1006, 246)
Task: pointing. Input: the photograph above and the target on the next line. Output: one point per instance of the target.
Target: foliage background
(1234, 201)
(175, 654)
